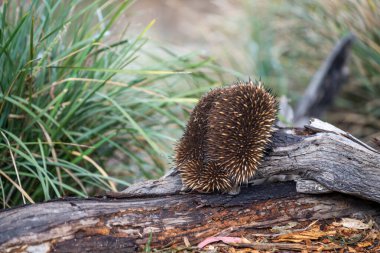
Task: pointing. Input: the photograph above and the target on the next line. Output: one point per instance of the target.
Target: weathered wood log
(320, 156)
(125, 225)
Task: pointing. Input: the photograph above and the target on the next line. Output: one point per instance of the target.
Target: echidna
(205, 176)
(225, 138)
(192, 144)
(190, 153)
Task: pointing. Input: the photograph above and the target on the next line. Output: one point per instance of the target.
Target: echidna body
(190, 153)
(239, 128)
(225, 138)
(192, 144)
(205, 177)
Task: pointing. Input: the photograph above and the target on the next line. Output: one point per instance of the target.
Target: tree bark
(125, 225)
(320, 157)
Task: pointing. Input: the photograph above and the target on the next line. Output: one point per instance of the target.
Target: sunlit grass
(285, 42)
(83, 112)
(79, 114)
(314, 27)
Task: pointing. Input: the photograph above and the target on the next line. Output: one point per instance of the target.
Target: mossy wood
(321, 157)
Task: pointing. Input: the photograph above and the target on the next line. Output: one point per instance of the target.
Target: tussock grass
(285, 42)
(315, 26)
(77, 110)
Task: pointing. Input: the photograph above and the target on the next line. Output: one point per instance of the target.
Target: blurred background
(94, 94)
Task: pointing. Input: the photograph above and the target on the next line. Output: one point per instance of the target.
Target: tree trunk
(320, 157)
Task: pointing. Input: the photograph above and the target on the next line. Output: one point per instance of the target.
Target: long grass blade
(14, 164)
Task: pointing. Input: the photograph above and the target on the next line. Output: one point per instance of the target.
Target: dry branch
(326, 83)
(322, 157)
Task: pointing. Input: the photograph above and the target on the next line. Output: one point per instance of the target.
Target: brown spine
(225, 137)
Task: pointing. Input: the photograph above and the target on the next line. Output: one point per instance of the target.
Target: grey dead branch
(321, 158)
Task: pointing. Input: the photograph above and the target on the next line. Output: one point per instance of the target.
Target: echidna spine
(239, 128)
(225, 138)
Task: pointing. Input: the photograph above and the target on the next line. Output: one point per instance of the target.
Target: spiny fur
(190, 152)
(204, 177)
(239, 128)
(225, 137)
(192, 144)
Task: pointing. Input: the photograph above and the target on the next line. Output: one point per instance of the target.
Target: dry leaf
(364, 244)
(299, 236)
(352, 223)
(186, 241)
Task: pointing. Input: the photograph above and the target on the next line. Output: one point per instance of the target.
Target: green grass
(86, 107)
(315, 27)
(285, 42)
(81, 111)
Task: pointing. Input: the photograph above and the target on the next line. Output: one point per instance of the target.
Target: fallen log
(125, 225)
(321, 158)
